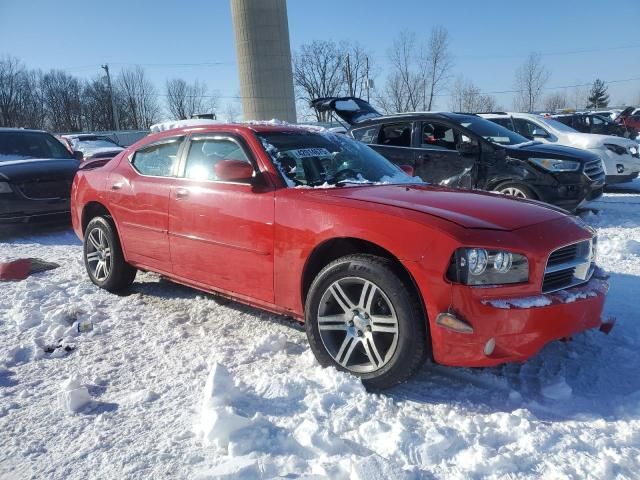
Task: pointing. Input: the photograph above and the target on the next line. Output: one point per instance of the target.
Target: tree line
(60, 102)
(419, 76)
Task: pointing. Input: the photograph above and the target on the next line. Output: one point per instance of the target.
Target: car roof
(32, 130)
(411, 116)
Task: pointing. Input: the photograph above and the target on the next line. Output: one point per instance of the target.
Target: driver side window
(438, 136)
(204, 153)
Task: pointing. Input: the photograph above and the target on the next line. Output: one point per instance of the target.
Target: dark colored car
(630, 121)
(93, 146)
(467, 151)
(592, 123)
(36, 172)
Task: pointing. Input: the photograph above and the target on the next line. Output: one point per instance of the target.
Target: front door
(221, 233)
(446, 156)
(139, 190)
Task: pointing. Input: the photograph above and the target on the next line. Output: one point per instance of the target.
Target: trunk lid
(350, 109)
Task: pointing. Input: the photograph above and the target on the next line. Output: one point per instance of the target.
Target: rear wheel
(517, 190)
(362, 317)
(103, 257)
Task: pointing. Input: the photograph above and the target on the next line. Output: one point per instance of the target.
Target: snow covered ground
(170, 383)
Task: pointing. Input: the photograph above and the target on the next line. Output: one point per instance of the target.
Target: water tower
(264, 59)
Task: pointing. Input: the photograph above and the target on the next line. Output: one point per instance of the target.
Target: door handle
(181, 193)
(116, 186)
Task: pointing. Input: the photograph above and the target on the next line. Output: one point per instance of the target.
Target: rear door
(440, 158)
(139, 190)
(393, 141)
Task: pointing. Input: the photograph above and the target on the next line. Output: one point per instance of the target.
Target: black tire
(526, 191)
(120, 274)
(413, 342)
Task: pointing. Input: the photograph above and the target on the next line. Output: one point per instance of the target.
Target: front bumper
(18, 209)
(520, 327)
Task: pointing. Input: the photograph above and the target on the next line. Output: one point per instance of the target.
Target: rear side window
(505, 122)
(366, 135)
(395, 135)
(204, 153)
(526, 128)
(158, 160)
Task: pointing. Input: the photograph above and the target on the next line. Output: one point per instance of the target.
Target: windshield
(326, 159)
(17, 145)
(490, 131)
(561, 127)
(93, 143)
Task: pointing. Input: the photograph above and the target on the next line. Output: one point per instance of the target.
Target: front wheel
(362, 317)
(103, 257)
(516, 190)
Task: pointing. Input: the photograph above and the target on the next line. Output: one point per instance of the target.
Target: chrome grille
(594, 170)
(569, 266)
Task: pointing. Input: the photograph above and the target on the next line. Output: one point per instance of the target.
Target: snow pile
(73, 396)
(194, 122)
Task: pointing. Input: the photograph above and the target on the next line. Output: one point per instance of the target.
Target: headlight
(635, 151)
(554, 165)
(4, 187)
(616, 148)
(479, 266)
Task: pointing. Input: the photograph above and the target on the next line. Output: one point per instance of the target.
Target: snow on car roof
(194, 122)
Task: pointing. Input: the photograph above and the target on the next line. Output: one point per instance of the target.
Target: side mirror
(537, 133)
(408, 169)
(78, 155)
(233, 171)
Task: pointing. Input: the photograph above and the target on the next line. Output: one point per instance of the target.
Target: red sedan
(383, 269)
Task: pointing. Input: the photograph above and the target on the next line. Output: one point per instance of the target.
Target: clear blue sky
(489, 39)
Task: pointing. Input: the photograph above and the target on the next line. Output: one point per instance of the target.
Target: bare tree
(405, 87)
(12, 74)
(466, 97)
(184, 99)
(61, 94)
(579, 97)
(555, 101)
(96, 104)
(437, 64)
(318, 71)
(141, 107)
(531, 77)
(232, 112)
(357, 70)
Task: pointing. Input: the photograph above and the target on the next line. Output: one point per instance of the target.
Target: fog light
(620, 168)
(450, 321)
(489, 346)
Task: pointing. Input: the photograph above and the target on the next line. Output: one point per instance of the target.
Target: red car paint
(253, 243)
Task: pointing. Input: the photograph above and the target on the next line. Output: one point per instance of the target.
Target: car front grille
(42, 189)
(594, 170)
(569, 266)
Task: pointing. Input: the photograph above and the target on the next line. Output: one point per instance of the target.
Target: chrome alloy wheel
(514, 192)
(99, 254)
(360, 335)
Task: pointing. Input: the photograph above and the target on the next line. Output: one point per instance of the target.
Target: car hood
(34, 168)
(541, 150)
(590, 140)
(465, 208)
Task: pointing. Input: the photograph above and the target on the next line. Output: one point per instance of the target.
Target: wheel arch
(337, 247)
(91, 210)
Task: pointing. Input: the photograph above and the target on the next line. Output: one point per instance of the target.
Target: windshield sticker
(310, 152)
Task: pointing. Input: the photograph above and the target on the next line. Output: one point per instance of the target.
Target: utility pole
(349, 82)
(366, 74)
(114, 111)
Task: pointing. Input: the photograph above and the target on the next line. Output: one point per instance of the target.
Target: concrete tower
(264, 59)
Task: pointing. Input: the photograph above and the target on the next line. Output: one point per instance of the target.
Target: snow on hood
(590, 140)
(194, 122)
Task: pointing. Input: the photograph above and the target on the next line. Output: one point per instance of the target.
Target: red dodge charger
(383, 269)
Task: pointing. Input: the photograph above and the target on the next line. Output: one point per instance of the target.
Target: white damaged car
(620, 156)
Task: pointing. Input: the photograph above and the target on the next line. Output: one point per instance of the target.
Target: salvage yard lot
(573, 410)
